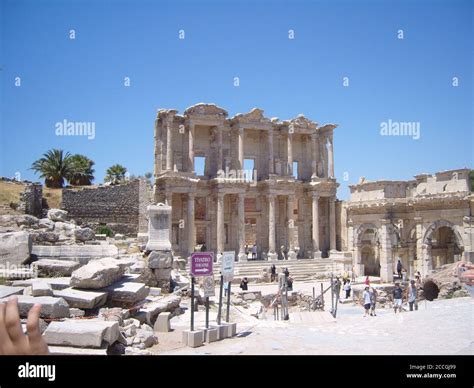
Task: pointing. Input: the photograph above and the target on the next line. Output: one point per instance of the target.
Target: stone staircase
(311, 317)
(300, 270)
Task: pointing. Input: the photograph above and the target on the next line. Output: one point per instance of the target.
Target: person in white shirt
(366, 301)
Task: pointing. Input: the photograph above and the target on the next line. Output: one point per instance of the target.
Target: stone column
(357, 260)
(271, 228)
(191, 148)
(331, 156)
(191, 227)
(315, 222)
(332, 223)
(419, 243)
(220, 158)
(241, 148)
(241, 226)
(291, 227)
(220, 223)
(314, 155)
(290, 154)
(411, 258)
(271, 167)
(169, 146)
(386, 254)
(322, 150)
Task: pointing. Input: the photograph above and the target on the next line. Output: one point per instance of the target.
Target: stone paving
(438, 327)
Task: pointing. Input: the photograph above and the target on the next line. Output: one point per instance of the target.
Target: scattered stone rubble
(98, 296)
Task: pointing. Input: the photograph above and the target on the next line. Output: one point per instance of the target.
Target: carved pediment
(206, 110)
(255, 115)
(303, 122)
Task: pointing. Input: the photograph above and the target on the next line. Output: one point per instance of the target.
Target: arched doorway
(370, 261)
(444, 248)
(444, 244)
(369, 251)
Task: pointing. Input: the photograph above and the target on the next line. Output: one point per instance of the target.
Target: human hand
(12, 339)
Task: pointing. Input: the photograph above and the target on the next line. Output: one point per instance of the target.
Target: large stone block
(40, 288)
(82, 333)
(82, 299)
(97, 274)
(57, 215)
(51, 307)
(159, 227)
(84, 234)
(49, 267)
(80, 253)
(125, 292)
(6, 291)
(162, 323)
(151, 310)
(55, 283)
(15, 248)
(160, 260)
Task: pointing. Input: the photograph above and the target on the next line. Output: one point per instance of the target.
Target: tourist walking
(244, 284)
(254, 251)
(418, 279)
(399, 269)
(373, 301)
(397, 298)
(286, 272)
(273, 273)
(412, 295)
(367, 281)
(345, 277)
(366, 301)
(289, 283)
(347, 288)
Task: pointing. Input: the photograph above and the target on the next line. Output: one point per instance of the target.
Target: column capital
(417, 219)
(315, 195)
(385, 221)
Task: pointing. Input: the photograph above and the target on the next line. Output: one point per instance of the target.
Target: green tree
(471, 178)
(54, 167)
(115, 174)
(82, 173)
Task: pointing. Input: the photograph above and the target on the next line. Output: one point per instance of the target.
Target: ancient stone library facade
(235, 182)
(261, 181)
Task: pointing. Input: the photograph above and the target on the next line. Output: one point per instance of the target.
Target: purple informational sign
(201, 263)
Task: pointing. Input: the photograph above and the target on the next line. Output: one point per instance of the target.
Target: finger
(32, 325)
(4, 337)
(12, 321)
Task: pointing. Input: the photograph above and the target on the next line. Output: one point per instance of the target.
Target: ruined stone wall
(121, 207)
(31, 200)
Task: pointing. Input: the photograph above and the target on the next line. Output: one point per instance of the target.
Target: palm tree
(115, 173)
(82, 173)
(54, 167)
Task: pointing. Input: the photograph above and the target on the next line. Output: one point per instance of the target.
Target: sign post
(228, 260)
(201, 265)
(208, 290)
(192, 303)
(220, 299)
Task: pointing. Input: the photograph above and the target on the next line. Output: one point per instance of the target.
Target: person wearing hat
(366, 301)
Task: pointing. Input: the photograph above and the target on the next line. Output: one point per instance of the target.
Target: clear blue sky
(406, 79)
